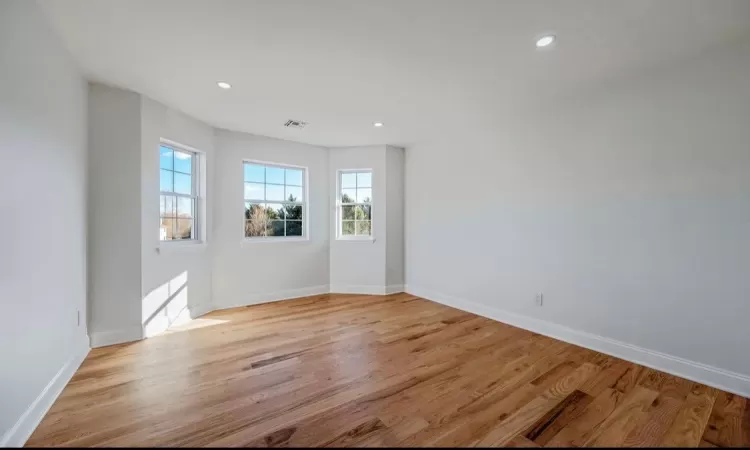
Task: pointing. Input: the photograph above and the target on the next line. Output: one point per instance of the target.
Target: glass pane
(168, 204)
(183, 162)
(364, 179)
(293, 212)
(166, 229)
(162, 205)
(184, 229)
(275, 228)
(293, 177)
(183, 184)
(254, 191)
(363, 228)
(274, 175)
(348, 180)
(184, 208)
(255, 211)
(364, 195)
(294, 228)
(347, 212)
(254, 228)
(256, 220)
(165, 157)
(275, 211)
(274, 193)
(347, 228)
(251, 209)
(348, 195)
(165, 181)
(293, 194)
(362, 212)
(255, 173)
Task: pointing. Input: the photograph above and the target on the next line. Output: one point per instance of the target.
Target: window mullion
(197, 175)
(173, 174)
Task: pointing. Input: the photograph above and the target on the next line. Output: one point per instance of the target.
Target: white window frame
(197, 194)
(339, 207)
(305, 203)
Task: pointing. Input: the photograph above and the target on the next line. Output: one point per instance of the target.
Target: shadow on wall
(165, 306)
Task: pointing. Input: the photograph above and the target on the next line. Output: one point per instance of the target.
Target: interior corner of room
(591, 188)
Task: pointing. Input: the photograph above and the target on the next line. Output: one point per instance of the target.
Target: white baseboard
(105, 338)
(394, 289)
(712, 376)
(366, 289)
(199, 310)
(255, 299)
(30, 419)
(357, 289)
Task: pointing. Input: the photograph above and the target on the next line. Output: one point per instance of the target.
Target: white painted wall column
(114, 215)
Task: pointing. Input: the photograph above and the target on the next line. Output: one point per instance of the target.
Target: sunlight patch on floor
(193, 324)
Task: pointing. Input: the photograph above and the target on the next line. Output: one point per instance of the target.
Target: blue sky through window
(273, 183)
(176, 168)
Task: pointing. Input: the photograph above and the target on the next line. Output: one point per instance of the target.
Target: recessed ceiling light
(377, 124)
(545, 41)
(224, 85)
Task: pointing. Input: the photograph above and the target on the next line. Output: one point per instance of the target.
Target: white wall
(43, 210)
(167, 266)
(629, 208)
(246, 273)
(394, 273)
(114, 215)
(359, 266)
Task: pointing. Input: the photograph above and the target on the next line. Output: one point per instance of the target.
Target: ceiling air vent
(295, 124)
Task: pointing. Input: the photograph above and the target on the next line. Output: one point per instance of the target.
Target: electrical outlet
(539, 299)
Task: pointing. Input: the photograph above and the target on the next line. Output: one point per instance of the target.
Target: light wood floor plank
(580, 429)
(690, 424)
(727, 425)
(623, 419)
(661, 415)
(527, 415)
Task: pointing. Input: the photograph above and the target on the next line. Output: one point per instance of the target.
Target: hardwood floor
(350, 370)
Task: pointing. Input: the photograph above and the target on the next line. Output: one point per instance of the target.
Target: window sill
(273, 240)
(369, 239)
(180, 246)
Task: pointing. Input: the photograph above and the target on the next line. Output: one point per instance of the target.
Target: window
(274, 201)
(355, 204)
(178, 186)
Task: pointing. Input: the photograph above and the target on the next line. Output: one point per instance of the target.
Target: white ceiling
(420, 66)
